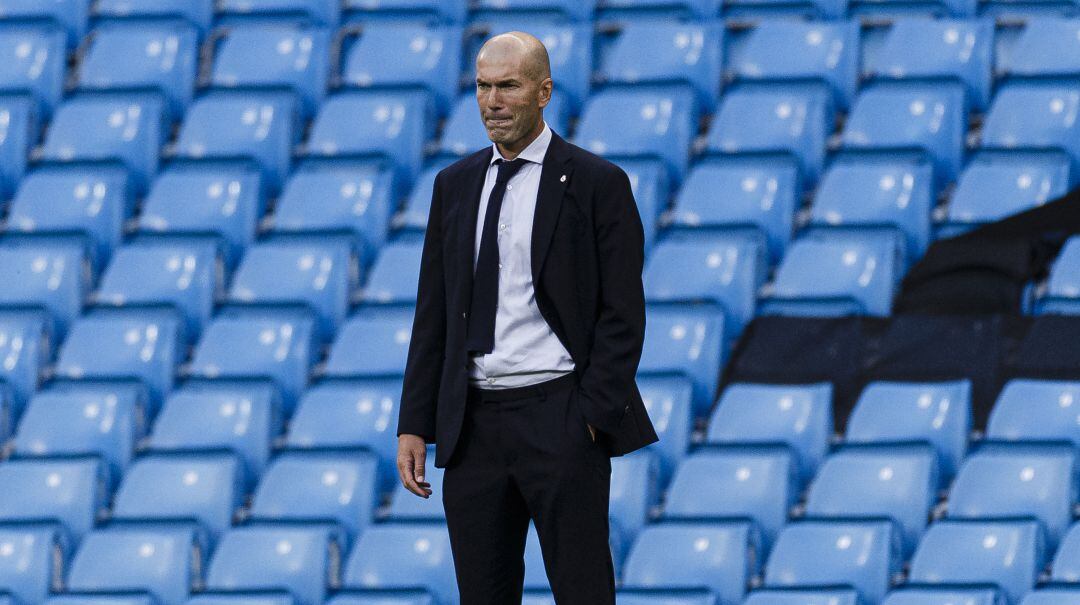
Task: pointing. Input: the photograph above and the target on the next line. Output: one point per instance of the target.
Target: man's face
(510, 101)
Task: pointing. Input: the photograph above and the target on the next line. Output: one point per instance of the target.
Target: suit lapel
(467, 225)
(554, 177)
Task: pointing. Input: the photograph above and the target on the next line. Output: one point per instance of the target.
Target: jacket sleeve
(608, 382)
(423, 367)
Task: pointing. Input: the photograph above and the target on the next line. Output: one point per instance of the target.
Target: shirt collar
(535, 152)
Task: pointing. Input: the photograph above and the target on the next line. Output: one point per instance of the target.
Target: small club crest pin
(562, 179)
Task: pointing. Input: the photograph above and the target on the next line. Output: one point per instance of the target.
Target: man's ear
(545, 92)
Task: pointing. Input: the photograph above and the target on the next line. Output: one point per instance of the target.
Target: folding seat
(70, 493)
(83, 420)
(732, 195)
(647, 122)
(181, 275)
(630, 596)
(404, 596)
(996, 185)
(897, 484)
(1063, 288)
(536, 580)
(950, 49)
(317, 12)
(162, 562)
(255, 128)
(120, 128)
(726, 269)
(538, 598)
(108, 344)
(399, 556)
(1034, 116)
(69, 15)
(938, 414)
(759, 484)
(541, 10)
(1041, 50)
(318, 276)
(894, 118)
(413, 217)
(35, 563)
(19, 127)
(352, 200)
(1008, 554)
(384, 126)
(191, 201)
(50, 275)
(396, 273)
(336, 488)
(651, 186)
(668, 400)
(275, 57)
(797, 51)
(944, 596)
(717, 556)
(354, 414)
(799, 416)
(1017, 482)
(160, 56)
(206, 417)
(686, 339)
(464, 131)
(826, 10)
(277, 349)
(1050, 596)
(775, 120)
(373, 342)
(24, 345)
(275, 559)
(405, 506)
(424, 11)
(1066, 564)
(197, 12)
(135, 598)
(1036, 410)
(809, 596)
(240, 599)
(414, 55)
(635, 490)
(830, 274)
(33, 60)
(869, 195)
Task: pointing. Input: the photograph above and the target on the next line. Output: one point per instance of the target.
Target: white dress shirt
(526, 350)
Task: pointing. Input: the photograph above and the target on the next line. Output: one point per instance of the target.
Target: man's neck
(511, 152)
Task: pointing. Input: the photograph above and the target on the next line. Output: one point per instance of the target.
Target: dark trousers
(525, 453)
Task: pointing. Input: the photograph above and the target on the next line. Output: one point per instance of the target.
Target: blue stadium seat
(620, 11)
(1066, 564)
(894, 118)
(19, 127)
(996, 185)
(354, 200)
(715, 267)
(939, 414)
(396, 273)
(651, 186)
(1050, 596)
(1037, 52)
(81, 420)
(831, 274)
(799, 416)
(204, 488)
(395, 556)
(1034, 115)
(688, 554)
(373, 342)
(894, 483)
(33, 60)
(197, 12)
(665, 52)
(407, 55)
(256, 127)
(390, 596)
(1010, 482)
(761, 9)
(183, 275)
(955, 49)
(1008, 554)
(240, 599)
(536, 580)
(351, 414)
(414, 215)
(133, 598)
(944, 596)
(262, 559)
(635, 489)
(759, 484)
(464, 131)
(318, 12)
(37, 556)
(160, 56)
(740, 195)
(319, 487)
(668, 400)
(319, 276)
(869, 195)
(92, 203)
(274, 57)
(68, 492)
(1063, 288)
(785, 50)
(24, 344)
(144, 346)
(276, 348)
(70, 15)
(658, 123)
(862, 555)
(50, 275)
(406, 506)
(686, 339)
(202, 417)
(785, 120)
(378, 125)
(163, 562)
(124, 128)
(1036, 410)
(424, 11)
(188, 200)
(541, 10)
(809, 596)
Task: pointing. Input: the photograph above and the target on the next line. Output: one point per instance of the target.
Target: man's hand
(412, 454)
(592, 432)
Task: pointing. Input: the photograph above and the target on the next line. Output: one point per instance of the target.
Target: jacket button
(462, 315)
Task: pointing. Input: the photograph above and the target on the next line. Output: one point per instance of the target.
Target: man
(529, 326)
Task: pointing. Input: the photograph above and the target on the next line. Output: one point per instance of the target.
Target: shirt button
(502, 227)
(491, 381)
(509, 186)
(500, 265)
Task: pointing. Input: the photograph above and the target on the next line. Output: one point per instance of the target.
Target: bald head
(520, 47)
(513, 85)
